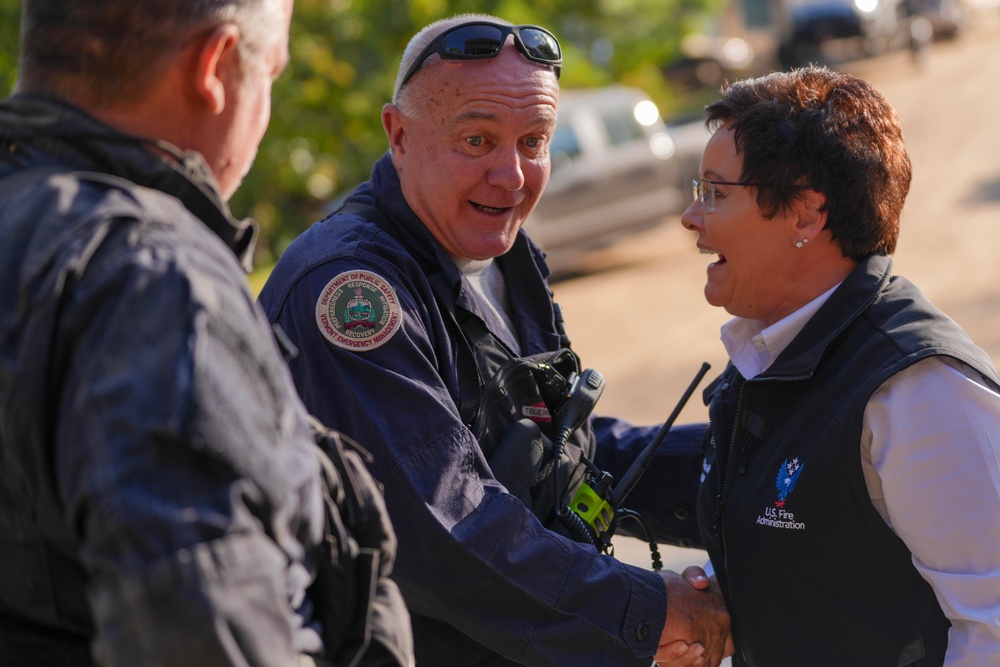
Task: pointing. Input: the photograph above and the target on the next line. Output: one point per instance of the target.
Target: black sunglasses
(481, 39)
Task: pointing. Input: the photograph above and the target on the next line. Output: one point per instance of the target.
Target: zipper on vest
(721, 504)
(724, 482)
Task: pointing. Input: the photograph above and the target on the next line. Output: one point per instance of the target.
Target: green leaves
(10, 16)
(326, 130)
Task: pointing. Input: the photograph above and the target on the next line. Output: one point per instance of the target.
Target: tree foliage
(10, 15)
(325, 130)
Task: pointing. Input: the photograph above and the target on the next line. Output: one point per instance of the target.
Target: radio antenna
(641, 462)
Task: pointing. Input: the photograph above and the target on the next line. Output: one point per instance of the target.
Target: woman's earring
(801, 244)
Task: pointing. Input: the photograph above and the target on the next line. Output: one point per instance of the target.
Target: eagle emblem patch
(359, 311)
(788, 475)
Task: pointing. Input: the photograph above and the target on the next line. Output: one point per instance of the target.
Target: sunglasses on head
(482, 39)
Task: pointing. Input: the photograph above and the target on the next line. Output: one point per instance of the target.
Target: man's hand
(697, 628)
(680, 654)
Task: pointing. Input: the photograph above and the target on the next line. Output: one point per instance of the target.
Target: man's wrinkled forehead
(460, 102)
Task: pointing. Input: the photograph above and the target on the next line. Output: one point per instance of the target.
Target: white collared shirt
(930, 451)
(753, 347)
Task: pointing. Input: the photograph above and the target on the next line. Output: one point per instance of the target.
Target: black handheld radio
(584, 390)
(595, 509)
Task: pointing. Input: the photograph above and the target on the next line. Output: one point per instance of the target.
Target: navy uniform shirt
(480, 574)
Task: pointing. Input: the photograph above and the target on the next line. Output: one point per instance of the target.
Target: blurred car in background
(837, 30)
(616, 169)
(945, 19)
(708, 60)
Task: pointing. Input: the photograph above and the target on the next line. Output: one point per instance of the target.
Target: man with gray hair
(427, 330)
(162, 497)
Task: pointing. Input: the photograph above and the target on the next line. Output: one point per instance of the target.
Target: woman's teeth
(722, 258)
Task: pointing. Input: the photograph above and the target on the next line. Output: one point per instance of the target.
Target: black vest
(811, 573)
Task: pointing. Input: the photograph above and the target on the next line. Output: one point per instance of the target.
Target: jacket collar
(858, 291)
(63, 134)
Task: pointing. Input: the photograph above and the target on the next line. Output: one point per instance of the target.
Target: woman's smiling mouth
(721, 260)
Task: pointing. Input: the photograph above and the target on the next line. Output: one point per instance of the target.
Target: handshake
(697, 628)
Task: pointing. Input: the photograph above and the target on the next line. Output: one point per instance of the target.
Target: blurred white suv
(616, 168)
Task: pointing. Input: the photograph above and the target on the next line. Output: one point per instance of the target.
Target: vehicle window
(804, 4)
(565, 141)
(757, 13)
(621, 126)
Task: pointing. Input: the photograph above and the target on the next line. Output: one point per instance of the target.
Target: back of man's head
(104, 53)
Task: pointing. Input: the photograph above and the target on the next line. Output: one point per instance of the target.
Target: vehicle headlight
(737, 52)
(646, 113)
(662, 145)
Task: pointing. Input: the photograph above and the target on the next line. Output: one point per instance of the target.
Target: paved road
(639, 317)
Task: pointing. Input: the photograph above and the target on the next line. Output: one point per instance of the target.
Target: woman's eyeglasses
(704, 191)
(481, 39)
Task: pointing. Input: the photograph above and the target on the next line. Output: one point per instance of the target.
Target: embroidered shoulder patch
(358, 310)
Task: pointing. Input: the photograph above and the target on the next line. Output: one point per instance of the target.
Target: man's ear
(392, 122)
(217, 65)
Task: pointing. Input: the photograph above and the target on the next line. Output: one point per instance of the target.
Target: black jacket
(160, 495)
